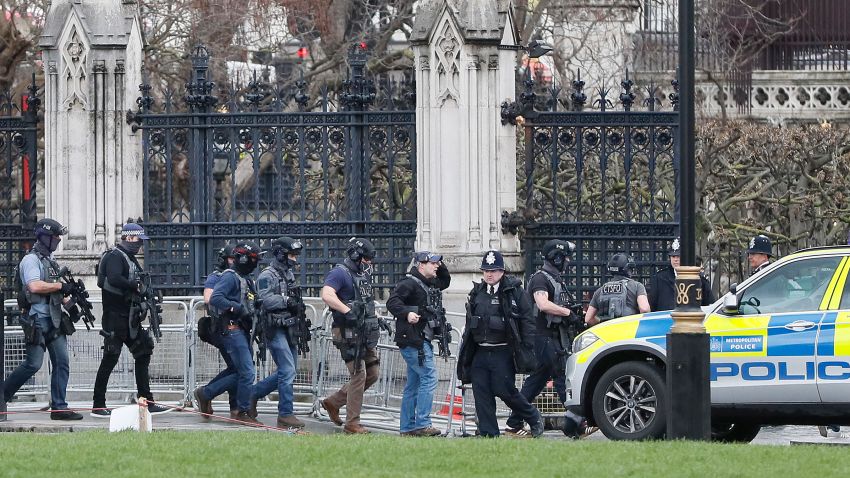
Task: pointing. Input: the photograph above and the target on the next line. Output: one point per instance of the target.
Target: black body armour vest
(488, 325)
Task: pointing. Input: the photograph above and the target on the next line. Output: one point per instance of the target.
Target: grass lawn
(189, 454)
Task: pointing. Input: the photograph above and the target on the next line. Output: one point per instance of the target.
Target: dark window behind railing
(819, 39)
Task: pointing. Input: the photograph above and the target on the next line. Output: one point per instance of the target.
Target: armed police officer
(45, 321)
(497, 344)
(234, 297)
(348, 293)
(119, 275)
(208, 332)
(662, 286)
(416, 303)
(556, 325)
(282, 310)
(759, 253)
(619, 297)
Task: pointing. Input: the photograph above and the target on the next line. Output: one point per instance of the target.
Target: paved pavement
(187, 420)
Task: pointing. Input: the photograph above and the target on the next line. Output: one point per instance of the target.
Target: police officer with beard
(348, 292)
(235, 299)
(550, 296)
(119, 275)
(207, 333)
(497, 344)
(662, 286)
(281, 305)
(619, 297)
(46, 323)
(413, 303)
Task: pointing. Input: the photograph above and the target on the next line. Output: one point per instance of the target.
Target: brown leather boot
(333, 412)
(253, 411)
(355, 429)
(289, 421)
(244, 417)
(204, 405)
(234, 413)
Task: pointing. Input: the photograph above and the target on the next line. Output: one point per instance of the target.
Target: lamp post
(688, 390)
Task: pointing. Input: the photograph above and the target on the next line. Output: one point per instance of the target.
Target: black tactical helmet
(556, 250)
(223, 254)
(286, 245)
(246, 256)
(620, 264)
(359, 248)
(50, 227)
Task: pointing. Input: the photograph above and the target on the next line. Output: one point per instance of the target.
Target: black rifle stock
(79, 296)
(443, 329)
(146, 303)
(302, 325)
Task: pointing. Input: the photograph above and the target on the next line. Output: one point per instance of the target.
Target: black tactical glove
(351, 317)
(67, 288)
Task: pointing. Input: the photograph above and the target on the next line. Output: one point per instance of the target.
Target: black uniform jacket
(516, 307)
(662, 290)
(408, 296)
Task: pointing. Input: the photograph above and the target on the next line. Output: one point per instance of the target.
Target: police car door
(833, 349)
(769, 350)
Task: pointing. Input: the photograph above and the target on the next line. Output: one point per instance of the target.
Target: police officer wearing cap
(549, 294)
(234, 297)
(348, 293)
(415, 323)
(208, 332)
(498, 343)
(619, 297)
(46, 322)
(281, 306)
(759, 253)
(662, 286)
(119, 276)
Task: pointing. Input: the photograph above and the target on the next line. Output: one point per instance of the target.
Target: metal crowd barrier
(181, 362)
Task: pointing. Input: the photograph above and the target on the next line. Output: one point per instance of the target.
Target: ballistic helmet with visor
(49, 227)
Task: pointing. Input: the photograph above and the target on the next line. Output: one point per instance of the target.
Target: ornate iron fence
(257, 162)
(603, 178)
(19, 153)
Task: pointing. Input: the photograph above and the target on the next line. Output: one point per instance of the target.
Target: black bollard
(688, 389)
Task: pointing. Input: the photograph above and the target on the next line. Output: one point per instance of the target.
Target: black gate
(258, 162)
(605, 179)
(19, 153)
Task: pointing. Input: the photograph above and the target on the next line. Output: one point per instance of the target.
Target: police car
(780, 354)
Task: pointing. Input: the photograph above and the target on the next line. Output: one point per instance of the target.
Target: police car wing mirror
(730, 304)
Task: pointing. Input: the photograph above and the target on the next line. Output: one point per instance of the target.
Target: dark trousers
(547, 368)
(107, 364)
(493, 375)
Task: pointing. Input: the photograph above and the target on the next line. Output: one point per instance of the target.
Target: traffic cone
(457, 407)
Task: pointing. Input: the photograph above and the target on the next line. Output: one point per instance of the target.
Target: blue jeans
(235, 344)
(418, 395)
(286, 358)
(58, 350)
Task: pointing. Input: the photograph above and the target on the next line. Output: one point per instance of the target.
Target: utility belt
(281, 320)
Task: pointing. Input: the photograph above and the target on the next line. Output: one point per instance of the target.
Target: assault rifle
(146, 303)
(442, 327)
(79, 296)
(301, 329)
(359, 309)
(258, 324)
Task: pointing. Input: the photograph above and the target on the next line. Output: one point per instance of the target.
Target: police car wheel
(734, 432)
(629, 402)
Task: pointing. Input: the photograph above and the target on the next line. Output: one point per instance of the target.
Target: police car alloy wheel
(629, 402)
